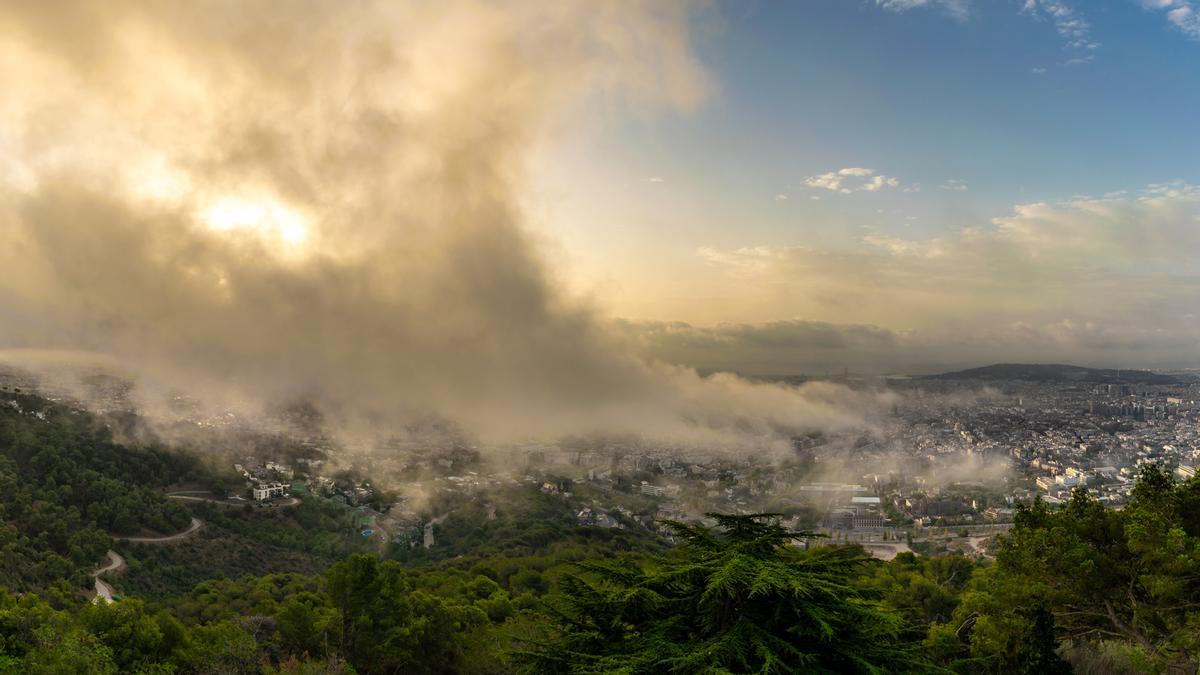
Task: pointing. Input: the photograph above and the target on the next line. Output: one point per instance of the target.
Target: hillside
(1055, 372)
(515, 585)
(70, 492)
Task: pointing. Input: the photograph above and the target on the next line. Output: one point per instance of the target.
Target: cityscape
(940, 472)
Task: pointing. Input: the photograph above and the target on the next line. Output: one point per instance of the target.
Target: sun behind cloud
(264, 217)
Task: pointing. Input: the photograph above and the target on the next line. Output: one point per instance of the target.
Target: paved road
(196, 525)
(104, 592)
(192, 496)
(115, 564)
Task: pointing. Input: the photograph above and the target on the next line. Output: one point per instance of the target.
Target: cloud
(813, 347)
(1182, 14)
(767, 348)
(959, 9)
(1111, 280)
(256, 203)
(852, 179)
(1070, 25)
(955, 185)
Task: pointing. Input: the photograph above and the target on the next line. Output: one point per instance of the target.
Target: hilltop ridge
(1058, 372)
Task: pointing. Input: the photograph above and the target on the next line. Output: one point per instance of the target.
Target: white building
(1071, 480)
(653, 490)
(264, 491)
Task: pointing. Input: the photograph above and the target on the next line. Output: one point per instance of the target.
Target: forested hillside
(518, 586)
(65, 487)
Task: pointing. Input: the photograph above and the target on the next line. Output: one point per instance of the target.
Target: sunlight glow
(265, 217)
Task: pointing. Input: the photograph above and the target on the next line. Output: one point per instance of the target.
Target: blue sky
(923, 95)
(893, 135)
(806, 87)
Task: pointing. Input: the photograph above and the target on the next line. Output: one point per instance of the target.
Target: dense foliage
(1124, 581)
(243, 541)
(65, 485)
(740, 599)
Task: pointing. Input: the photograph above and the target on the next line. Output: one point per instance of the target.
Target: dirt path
(196, 525)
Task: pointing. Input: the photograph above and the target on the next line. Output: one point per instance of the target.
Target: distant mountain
(1056, 372)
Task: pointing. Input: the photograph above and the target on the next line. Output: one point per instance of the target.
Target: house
(265, 491)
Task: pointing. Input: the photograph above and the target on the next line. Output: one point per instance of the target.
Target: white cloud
(852, 179)
(1070, 25)
(959, 9)
(1182, 14)
(1101, 280)
(955, 185)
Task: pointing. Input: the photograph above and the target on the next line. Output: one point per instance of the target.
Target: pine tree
(736, 599)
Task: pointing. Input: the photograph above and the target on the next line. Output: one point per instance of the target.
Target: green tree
(740, 598)
(66, 650)
(388, 626)
(1128, 576)
(135, 638)
(308, 626)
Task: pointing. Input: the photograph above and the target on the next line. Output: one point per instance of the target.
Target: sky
(538, 219)
(982, 180)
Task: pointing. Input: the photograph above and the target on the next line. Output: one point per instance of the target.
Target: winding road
(196, 525)
(115, 563)
(104, 592)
